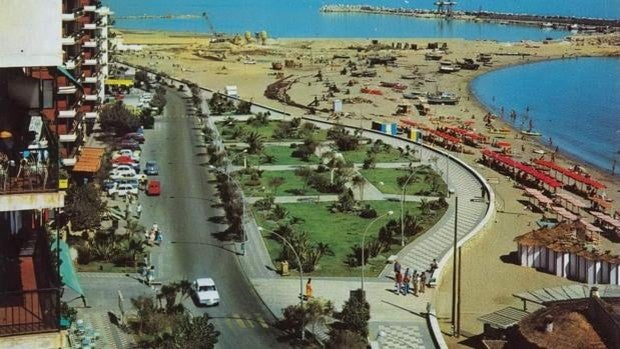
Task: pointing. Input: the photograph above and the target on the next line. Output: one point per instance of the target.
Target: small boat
(412, 94)
(448, 68)
(484, 57)
(388, 84)
(371, 91)
(531, 133)
(409, 77)
(441, 97)
(468, 64)
(433, 56)
(249, 61)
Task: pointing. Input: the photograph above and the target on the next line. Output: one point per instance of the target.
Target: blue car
(151, 168)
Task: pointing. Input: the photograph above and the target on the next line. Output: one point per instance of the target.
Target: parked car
(205, 291)
(134, 154)
(124, 168)
(122, 172)
(107, 184)
(133, 181)
(138, 137)
(126, 160)
(129, 144)
(151, 168)
(120, 189)
(153, 188)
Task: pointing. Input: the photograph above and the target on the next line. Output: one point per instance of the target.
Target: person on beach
(406, 281)
(414, 282)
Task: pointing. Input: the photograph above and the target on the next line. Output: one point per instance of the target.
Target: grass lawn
(281, 153)
(266, 131)
(357, 156)
(291, 183)
(419, 184)
(341, 231)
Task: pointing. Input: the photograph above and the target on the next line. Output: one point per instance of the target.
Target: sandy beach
(490, 278)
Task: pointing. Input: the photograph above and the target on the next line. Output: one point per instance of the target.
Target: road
(189, 249)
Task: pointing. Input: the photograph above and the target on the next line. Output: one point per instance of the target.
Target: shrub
(84, 255)
(368, 212)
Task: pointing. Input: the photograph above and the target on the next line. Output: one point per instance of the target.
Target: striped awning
(504, 318)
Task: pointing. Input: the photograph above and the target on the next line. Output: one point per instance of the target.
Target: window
(48, 93)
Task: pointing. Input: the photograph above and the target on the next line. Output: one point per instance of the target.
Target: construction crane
(211, 27)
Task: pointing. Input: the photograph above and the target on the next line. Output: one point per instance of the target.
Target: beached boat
(409, 77)
(413, 94)
(447, 67)
(468, 64)
(442, 97)
(484, 57)
(433, 56)
(364, 74)
(531, 133)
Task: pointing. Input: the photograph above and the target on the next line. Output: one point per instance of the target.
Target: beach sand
(489, 276)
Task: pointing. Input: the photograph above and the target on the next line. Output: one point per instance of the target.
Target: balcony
(68, 138)
(90, 61)
(68, 40)
(67, 90)
(70, 64)
(91, 97)
(90, 26)
(91, 115)
(90, 79)
(67, 114)
(90, 43)
(68, 161)
(68, 17)
(90, 8)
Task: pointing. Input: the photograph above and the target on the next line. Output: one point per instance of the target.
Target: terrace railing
(27, 174)
(28, 312)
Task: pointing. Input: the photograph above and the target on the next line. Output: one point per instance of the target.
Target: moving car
(206, 293)
(120, 189)
(151, 168)
(153, 188)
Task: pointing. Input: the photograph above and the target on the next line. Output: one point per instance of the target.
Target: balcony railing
(28, 312)
(67, 17)
(68, 40)
(90, 8)
(67, 114)
(90, 43)
(90, 26)
(28, 174)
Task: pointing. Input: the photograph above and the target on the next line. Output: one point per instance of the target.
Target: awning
(70, 76)
(67, 272)
(119, 82)
(504, 318)
(89, 160)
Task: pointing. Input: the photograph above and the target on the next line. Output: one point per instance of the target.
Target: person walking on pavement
(309, 290)
(406, 281)
(422, 282)
(150, 274)
(399, 282)
(396, 267)
(138, 210)
(414, 279)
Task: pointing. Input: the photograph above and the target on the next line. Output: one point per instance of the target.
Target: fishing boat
(442, 97)
(484, 57)
(447, 67)
(413, 94)
(409, 77)
(433, 56)
(468, 64)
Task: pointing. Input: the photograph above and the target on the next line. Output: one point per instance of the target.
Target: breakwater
(552, 22)
(169, 16)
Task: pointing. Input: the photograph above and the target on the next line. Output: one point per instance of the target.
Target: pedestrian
(422, 282)
(150, 274)
(399, 282)
(158, 238)
(406, 281)
(309, 289)
(414, 279)
(434, 265)
(396, 267)
(138, 210)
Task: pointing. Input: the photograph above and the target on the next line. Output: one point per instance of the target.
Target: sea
(572, 102)
(575, 102)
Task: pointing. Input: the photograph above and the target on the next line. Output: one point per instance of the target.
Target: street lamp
(402, 211)
(301, 280)
(388, 213)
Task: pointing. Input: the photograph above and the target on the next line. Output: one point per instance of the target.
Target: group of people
(154, 236)
(411, 282)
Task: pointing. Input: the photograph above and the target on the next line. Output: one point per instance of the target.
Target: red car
(134, 136)
(153, 188)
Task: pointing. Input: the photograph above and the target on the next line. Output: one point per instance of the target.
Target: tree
(197, 332)
(118, 119)
(356, 313)
(243, 108)
(346, 202)
(83, 206)
(359, 182)
(305, 172)
(255, 142)
(136, 247)
(141, 76)
(275, 183)
(315, 312)
(315, 254)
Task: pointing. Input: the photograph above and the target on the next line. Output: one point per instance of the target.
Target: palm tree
(136, 246)
(275, 183)
(317, 252)
(333, 161)
(359, 182)
(255, 142)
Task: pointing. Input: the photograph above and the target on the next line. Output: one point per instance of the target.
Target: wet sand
(489, 275)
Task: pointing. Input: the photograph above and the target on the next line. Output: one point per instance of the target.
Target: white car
(206, 293)
(122, 189)
(117, 174)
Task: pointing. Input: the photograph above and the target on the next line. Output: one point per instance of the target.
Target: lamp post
(402, 210)
(301, 280)
(388, 213)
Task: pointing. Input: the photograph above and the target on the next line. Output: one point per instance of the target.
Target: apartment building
(53, 63)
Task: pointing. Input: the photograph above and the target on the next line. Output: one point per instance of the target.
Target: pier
(168, 16)
(552, 22)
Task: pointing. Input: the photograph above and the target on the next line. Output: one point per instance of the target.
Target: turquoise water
(301, 18)
(573, 101)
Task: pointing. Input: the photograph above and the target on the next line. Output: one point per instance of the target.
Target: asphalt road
(189, 250)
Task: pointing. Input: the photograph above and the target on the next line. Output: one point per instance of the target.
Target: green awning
(67, 272)
(70, 76)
